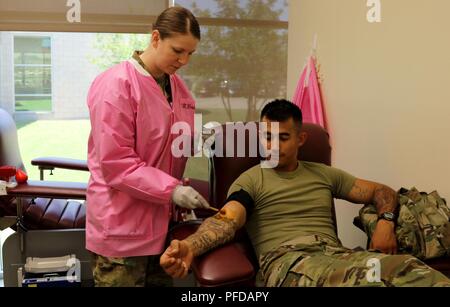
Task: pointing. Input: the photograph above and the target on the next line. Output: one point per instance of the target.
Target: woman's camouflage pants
(129, 272)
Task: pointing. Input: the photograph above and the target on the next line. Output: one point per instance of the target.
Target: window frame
(97, 16)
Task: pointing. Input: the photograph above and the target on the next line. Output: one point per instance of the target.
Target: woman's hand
(189, 198)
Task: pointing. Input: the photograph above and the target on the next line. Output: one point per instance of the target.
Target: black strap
(244, 199)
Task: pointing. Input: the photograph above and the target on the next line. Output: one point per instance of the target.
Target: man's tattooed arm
(385, 199)
(365, 192)
(214, 231)
(218, 229)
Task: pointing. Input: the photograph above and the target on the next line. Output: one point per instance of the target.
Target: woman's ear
(303, 136)
(156, 38)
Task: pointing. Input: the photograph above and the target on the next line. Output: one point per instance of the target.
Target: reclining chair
(235, 264)
(46, 219)
(50, 212)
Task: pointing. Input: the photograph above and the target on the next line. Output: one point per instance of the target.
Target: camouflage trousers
(320, 262)
(129, 272)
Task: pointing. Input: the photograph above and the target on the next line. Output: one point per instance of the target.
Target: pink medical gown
(308, 97)
(133, 171)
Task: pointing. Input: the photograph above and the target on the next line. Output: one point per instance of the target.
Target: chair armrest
(64, 163)
(227, 265)
(60, 190)
(224, 266)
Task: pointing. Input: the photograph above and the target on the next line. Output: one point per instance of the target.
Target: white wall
(386, 89)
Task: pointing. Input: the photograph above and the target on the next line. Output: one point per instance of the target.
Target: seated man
(287, 214)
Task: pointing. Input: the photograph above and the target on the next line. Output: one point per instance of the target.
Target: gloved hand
(187, 197)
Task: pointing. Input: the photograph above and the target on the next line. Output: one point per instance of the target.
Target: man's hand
(177, 259)
(383, 238)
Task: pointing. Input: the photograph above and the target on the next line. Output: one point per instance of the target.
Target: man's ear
(303, 136)
(156, 38)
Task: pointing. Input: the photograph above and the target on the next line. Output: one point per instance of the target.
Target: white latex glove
(187, 197)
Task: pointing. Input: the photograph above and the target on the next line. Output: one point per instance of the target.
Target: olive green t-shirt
(291, 204)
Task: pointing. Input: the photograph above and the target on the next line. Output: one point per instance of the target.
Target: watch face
(388, 216)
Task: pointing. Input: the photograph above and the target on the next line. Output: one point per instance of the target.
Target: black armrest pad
(50, 189)
(65, 163)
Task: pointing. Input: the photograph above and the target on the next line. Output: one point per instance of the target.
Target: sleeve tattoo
(385, 199)
(213, 232)
(360, 193)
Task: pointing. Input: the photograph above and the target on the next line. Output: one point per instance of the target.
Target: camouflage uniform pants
(129, 272)
(319, 262)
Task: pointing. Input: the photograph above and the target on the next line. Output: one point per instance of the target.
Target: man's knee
(406, 270)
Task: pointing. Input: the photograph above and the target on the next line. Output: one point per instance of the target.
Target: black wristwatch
(388, 216)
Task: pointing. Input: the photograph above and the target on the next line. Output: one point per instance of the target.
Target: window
(240, 65)
(32, 73)
(130, 16)
(43, 72)
(241, 62)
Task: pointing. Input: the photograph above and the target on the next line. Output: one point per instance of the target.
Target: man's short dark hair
(281, 110)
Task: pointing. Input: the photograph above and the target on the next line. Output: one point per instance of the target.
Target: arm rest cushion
(54, 162)
(50, 189)
(225, 265)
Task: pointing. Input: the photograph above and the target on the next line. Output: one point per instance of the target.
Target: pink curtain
(308, 97)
